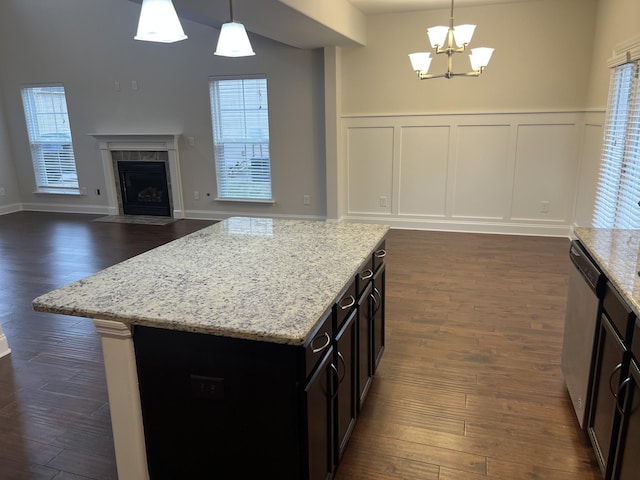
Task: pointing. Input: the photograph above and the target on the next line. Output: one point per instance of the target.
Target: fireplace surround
(142, 149)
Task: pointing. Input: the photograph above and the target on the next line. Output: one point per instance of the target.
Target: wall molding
(511, 173)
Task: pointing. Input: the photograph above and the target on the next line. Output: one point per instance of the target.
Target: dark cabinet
(613, 387)
(627, 463)
(377, 317)
(318, 396)
(604, 418)
(365, 348)
(345, 398)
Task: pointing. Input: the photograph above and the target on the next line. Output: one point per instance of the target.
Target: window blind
(54, 164)
(618, 191)
(240, 117)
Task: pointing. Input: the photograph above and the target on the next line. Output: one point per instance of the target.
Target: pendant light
(233, 40)
(159, 22)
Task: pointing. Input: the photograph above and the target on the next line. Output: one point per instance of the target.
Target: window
(240, 117)
(618, 190)
(54, 165)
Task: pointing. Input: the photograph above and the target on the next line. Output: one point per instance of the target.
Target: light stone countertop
(617, 252)
(255, 278)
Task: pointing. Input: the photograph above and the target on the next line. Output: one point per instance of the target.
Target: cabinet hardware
(366, 274)
(613, 372)
(622, 386)
(327, 338)
(352, 302)
(380, 253)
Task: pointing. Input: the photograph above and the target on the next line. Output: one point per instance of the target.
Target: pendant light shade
(233, 41)
(159, 22)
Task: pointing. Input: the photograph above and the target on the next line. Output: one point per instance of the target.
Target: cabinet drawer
(379, 255)
(618, 312)
(345, 305)
(318, 345)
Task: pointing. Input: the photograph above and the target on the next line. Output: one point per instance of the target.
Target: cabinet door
(345, 402)
(377, 317)
(603, 417)
(628, 460)
(319, 394)
(365, 347)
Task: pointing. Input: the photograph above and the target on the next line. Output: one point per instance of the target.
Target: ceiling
(374, 7)
(309, 24)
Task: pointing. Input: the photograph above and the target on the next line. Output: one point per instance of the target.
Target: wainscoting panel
(546, 170)
(512, 173)
(370, 166)
(481, 171)
(423, 170)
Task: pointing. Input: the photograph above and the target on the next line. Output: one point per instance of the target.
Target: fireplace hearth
(144, 188)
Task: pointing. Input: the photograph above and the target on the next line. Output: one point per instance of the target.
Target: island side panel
(219, 407)
(124, 399)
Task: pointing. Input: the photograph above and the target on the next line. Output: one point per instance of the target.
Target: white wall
(470, 154)
(93, 48)
(10, 201)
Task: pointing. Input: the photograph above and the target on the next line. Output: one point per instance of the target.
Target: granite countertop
(256, 278)
(617, 252)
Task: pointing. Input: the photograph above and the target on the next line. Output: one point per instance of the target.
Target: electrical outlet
(196, 195)
(192, 141)
(2, 192)
(383, 201)
(306, 200)
(209, 388)
(544, 207)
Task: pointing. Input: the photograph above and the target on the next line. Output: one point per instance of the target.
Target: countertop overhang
(255, 278)
(617, 252)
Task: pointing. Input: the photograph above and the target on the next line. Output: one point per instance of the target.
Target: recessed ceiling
(374, 7)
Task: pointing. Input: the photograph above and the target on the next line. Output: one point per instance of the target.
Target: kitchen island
(243, 349)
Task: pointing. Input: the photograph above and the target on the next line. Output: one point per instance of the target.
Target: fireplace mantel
(108, 142)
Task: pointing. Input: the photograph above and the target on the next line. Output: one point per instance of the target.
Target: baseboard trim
(525, 229)
(65, 208)
(4, 344)
(11, 208)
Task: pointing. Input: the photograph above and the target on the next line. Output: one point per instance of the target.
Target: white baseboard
(12, 208)
(65, 208)
(468, 226)
(4, 344)
(219, 215)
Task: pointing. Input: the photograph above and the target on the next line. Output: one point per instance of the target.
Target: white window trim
(231, 199)
(619, 177)
(48, 189)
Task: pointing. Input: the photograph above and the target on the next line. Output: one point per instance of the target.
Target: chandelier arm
(448, 75)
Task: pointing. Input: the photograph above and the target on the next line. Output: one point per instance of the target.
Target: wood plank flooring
(469, 387)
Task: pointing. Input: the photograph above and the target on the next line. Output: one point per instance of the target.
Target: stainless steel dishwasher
(586, 283)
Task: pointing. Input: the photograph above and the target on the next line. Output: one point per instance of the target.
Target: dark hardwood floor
(469, 387)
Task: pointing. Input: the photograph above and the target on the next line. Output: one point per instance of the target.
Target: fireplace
(129, 158)
(144, 189)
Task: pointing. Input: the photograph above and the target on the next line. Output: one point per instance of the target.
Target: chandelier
(442, 40)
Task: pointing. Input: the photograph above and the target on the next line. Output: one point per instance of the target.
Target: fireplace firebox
(144, 188)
